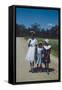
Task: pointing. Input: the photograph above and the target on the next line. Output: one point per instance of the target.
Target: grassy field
(53, 43)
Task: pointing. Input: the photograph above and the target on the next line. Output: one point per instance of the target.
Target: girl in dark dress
(47, 51)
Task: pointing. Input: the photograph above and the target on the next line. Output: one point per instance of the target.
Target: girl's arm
(36, 42)
(29, 41)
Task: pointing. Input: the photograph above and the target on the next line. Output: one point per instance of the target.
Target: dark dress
(47, 55)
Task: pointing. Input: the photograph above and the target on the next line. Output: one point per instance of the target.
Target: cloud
(50, 24)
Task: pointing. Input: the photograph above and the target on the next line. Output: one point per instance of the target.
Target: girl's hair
(40, 44)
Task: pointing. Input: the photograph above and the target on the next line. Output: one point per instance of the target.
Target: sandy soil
(22, 66)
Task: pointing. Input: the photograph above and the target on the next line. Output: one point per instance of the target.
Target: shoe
(30, 70)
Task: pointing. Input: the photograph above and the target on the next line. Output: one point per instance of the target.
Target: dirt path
(22, 66)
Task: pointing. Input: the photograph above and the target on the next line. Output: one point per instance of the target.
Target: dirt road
(22, 66)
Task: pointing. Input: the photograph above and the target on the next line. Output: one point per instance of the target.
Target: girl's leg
(32, 66)
(37, 65)
(37, 61)
(41, 66)
(40, 63)
(33, 63)
(48, 68)
(45, 66)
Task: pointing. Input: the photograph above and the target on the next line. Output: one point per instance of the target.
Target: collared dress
(47, 51)
(30, 56)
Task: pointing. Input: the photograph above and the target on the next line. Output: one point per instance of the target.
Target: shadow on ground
(36, 70)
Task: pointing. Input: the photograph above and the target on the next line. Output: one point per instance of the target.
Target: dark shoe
(40, 70)
(30, 70)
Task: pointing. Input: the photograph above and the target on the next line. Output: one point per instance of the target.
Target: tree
(20, 30)
(35, 27)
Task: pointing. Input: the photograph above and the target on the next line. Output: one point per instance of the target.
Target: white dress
(39, 55)
(31, 50)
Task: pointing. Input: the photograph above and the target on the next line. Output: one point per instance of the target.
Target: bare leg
(48, 68)
(32, 66)
(33, 63)
(37, 65)
(45, 66)
(40, 67)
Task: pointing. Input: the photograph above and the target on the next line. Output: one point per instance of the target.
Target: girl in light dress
(32, 42)
(40, 55)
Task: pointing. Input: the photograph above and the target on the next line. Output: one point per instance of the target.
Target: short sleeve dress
(39, 55)
(30, 56)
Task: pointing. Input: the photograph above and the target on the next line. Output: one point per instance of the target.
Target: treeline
(22, 31)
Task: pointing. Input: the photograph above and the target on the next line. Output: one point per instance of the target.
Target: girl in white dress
(40, 55)
(32, 42)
